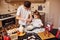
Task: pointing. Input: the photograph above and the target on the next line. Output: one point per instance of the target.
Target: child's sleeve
(41, 23)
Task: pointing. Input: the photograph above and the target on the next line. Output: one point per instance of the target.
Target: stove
(4, 16)
(6, 19)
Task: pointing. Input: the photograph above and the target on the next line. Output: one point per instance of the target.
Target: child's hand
(22, 19)
(28, 20)
(28, 23)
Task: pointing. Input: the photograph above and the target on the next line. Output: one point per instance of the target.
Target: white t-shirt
(37, 22)
(24, 14)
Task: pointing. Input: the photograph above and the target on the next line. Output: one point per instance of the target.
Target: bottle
(58, 33)
(47, 29)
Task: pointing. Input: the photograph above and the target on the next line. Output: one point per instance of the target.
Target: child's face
(35, 16)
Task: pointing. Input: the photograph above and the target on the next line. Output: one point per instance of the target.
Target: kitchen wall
(52, 10)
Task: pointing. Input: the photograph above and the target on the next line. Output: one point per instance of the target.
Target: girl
(36, 21)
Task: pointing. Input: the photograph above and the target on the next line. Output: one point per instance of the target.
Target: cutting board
(44, 37)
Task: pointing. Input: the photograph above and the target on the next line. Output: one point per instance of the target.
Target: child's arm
(41, 24)
(30, 18)
(29, 22)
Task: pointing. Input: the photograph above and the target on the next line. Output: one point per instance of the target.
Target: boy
(23, 13)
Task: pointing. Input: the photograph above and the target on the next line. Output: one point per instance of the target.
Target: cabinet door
(13, 1)
(25, 0)
(37, 0)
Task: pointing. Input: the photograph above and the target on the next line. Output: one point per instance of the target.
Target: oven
(6, 20)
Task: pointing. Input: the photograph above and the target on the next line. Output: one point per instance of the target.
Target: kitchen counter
(6, 18)
(37, 37)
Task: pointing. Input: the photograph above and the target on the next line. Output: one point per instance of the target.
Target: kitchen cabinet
(39, 1)
(0, 1)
